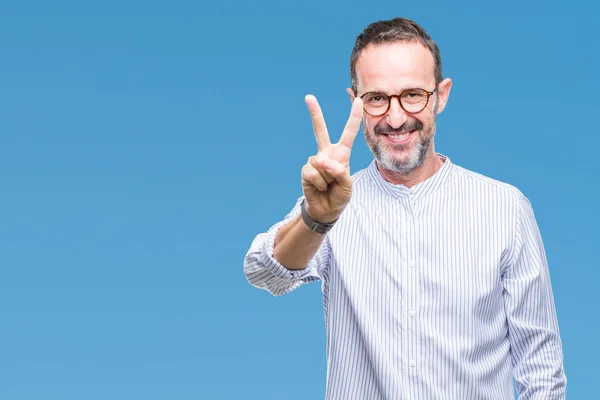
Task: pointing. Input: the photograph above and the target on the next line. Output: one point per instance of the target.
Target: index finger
(318, 122)
(353, 125)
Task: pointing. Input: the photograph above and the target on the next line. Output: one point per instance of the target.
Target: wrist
(320, 224)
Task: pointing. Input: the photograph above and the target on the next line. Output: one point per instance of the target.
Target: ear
(444, 92)
(351, 93)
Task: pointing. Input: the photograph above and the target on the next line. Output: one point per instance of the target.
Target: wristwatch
(312, 224)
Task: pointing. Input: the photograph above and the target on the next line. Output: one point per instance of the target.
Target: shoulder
(467, 179)
(362, 177)
(365, 184)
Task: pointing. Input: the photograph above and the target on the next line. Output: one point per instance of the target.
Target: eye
(376, 99)
(414, 96)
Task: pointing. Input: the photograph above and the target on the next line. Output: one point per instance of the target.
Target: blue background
(144, 144)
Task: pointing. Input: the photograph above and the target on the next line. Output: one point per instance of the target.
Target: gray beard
(403, 167)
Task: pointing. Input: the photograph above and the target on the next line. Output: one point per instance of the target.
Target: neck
(430, 166)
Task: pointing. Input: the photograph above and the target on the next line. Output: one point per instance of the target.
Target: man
(435, 280)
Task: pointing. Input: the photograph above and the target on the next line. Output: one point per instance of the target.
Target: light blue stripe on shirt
(438, 291)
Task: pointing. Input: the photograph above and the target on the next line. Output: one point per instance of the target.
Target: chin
(402, 161)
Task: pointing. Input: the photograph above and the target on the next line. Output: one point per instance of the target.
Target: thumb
(339, 172)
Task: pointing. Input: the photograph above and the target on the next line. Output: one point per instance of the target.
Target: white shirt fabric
(438, 291)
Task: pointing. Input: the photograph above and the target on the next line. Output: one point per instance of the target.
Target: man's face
(400, 141)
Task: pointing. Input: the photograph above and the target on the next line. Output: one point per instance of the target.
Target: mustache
(412, 125)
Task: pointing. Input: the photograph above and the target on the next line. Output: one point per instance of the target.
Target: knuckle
(315, 176)
(307, 171)
(317, 117)
(315, 161)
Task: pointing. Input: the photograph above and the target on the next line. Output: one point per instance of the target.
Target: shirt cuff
(308, 274)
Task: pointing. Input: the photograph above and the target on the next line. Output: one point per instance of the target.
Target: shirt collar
(419, 190)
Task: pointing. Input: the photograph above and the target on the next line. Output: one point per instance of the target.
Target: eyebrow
(401, 90)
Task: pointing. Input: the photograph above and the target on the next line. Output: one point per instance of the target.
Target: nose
(396, 116)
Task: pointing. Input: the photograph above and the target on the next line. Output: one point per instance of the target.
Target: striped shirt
(438, 291)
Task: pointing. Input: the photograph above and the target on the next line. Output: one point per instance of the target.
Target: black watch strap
(311, 223)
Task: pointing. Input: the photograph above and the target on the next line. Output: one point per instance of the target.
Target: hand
(326, 179)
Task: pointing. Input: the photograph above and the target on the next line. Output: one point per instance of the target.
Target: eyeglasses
(411, 100)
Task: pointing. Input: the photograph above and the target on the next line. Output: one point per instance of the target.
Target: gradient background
(144, 144)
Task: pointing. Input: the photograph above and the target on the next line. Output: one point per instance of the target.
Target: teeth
(399, 136)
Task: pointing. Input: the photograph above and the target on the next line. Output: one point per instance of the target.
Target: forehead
(392, 67)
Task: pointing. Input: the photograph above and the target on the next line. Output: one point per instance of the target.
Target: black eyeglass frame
(390, 97)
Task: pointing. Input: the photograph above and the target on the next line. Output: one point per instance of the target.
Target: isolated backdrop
(143, 144)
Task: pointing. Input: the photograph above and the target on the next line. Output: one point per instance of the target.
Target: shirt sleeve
(263, 271)
(536, 346)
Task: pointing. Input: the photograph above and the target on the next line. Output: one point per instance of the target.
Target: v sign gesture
(326, 179)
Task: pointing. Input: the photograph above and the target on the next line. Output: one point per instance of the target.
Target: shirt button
(411, 265)
(411, 313)
(413, 363)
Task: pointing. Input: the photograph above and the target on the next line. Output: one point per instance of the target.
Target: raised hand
(326, 179)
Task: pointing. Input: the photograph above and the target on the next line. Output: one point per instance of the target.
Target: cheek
(370, 123)
(366, 125)
(426, 119)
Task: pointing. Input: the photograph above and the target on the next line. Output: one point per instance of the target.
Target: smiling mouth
(399, 137)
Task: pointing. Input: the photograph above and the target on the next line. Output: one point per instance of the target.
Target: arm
(287, 240)
(296, 244)
(532, 322)
(327, 187)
